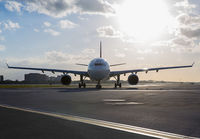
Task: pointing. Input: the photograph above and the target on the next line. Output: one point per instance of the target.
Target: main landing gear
(98, 86)
(82, 83)
(118, 82)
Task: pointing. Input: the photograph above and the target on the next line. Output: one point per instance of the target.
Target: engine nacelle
(133, 79)
(66, 79)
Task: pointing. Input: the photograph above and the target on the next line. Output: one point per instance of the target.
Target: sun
(144, 19)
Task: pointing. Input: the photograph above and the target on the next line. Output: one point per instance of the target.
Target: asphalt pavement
(168, 108)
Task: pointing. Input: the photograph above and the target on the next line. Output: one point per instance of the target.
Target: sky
(140, 33)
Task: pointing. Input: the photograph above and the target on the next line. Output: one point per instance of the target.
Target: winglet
(7, 65)
(100, 50)
(193, 64)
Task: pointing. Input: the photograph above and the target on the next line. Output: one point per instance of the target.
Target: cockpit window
(98, 64)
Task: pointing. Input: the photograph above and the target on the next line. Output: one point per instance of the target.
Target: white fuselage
(98, 69)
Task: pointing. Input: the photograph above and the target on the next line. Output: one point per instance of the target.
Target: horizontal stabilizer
(81, 64)
(117, 64)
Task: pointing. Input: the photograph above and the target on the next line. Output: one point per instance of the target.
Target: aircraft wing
(114, 73)
(84, 73)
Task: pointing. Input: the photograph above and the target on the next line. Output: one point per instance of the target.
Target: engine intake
(133, 79)
(66, 79)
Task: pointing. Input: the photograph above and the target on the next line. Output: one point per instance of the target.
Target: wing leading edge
(84, 73)
(114, 73)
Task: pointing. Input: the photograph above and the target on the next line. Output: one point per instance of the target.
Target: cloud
(9, 25)
(36, 30)
(61, 57)
(118, 53)
(67, 24)
(54, 8)
(189, 25)
(13, 6)
(186, 19)
(88, 51)
(95, 7)
(185, 6)
(61, 8)
(47, 24)
(191, 33)
(182, 44)
(140, 58)
(147, 51)
(57, 58)
(108, 31)
(2, 38)
(188, 30)
(2, 47)
(182, 41)
(52, 32)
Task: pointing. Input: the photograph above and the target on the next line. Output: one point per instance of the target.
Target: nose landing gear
(98, 86)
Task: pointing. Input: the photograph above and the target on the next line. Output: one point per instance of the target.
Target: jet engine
(66, 79)
(133, 79)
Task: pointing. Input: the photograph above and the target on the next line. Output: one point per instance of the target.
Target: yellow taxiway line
(107, 124)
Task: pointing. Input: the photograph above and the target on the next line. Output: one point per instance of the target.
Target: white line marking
(146, 90)
(114, 100)
(124, 103)
(112, 125)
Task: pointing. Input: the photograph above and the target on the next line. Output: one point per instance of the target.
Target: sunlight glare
(143, 19)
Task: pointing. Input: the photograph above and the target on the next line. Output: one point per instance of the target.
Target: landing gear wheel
(98, 86)
(118, 82)
(115, 85)
(120, 85)
(81, 84)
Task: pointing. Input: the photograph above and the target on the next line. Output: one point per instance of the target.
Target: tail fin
(100, 50)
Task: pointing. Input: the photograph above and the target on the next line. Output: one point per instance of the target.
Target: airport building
(36, 78)
(55, 80)
(1, 78)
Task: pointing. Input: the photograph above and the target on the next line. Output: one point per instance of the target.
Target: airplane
(99, 70)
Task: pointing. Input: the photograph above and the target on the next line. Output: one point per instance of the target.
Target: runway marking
(146, 90)
(106, 124)
(124, 103)
(114, 100)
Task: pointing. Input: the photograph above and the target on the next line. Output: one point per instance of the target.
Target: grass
(35, 86)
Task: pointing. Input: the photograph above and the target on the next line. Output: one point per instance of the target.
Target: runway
(167, 110)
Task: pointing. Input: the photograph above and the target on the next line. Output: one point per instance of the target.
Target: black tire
(98, 86)
(79, 85)
(115, 85)
(120, 85)
(84, 85)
